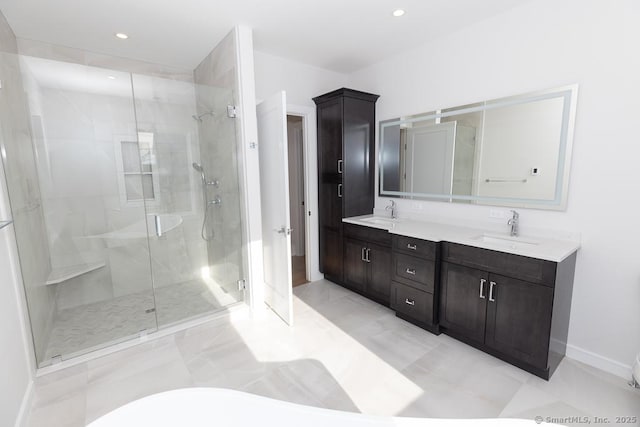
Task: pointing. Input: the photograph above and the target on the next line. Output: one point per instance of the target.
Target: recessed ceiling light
(398, 12)
(111, 77)
(122, 36)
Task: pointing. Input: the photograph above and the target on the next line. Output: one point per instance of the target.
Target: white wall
(541, 45)
(301, 82)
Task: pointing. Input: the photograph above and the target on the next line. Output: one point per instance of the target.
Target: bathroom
(102, 230)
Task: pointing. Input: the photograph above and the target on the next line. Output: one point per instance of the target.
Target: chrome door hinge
(232, 112)
(242, 285)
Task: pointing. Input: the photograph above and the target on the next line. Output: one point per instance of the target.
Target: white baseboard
(597, 361)
(25, 406)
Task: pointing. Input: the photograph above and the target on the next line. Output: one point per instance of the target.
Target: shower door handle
(284, 230)
(158, 225)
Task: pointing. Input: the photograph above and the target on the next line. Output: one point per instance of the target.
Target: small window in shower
(138, 169)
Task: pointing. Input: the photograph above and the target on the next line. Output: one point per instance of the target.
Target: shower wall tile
(86, 289)
(215, 81)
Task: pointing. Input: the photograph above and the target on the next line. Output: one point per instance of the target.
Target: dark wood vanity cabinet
(346, 163)
(414, 290)
(367, 262)
(508, 305)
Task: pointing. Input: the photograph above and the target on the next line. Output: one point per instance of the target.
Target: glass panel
(197, 257)
(83, 248)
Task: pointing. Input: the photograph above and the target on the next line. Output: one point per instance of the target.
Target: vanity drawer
(381, 237)
(516, 266)
(370, 234)
(416, 247)
(355, 231)
(412, 302)
(414, 271)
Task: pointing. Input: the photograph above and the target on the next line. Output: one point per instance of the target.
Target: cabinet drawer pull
(412, 247)
(367, 258)
(411, 271)
(482, 283)
(491, 286)
(409, 301)
(340, 166)
(362, 254)
(339, 190)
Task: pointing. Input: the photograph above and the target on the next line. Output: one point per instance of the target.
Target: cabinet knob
(409, 301)
(411, 271)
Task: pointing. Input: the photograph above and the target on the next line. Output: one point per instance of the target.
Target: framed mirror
(513, 151)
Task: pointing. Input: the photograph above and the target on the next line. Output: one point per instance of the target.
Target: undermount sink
(380, 221)
(506, 241)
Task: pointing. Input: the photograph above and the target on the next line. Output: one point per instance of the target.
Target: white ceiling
(340, 35)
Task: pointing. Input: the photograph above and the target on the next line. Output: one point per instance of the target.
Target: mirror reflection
(510, 151)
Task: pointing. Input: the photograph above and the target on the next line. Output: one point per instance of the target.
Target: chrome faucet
(392, 208)
(514, 223)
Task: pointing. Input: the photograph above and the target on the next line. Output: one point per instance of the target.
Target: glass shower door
(188, 151)
(76, 184)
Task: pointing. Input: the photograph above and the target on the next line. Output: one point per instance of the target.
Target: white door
(274, 189)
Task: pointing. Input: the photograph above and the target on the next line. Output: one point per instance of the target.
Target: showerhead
(198, 167)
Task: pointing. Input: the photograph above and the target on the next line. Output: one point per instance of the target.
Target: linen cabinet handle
(491, 286)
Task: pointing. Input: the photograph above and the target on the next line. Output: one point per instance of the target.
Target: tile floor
(344, 352)
(83, 328)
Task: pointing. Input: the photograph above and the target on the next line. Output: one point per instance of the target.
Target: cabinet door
(359, 161)
(463, 300)
(519, 319)
(329, 137)
(379, 280)
(355, 268)
(331, 261)
(330, 204)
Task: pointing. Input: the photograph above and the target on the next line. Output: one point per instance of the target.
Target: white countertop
(529, 246)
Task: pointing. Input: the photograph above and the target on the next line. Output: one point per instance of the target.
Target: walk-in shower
(117, 236)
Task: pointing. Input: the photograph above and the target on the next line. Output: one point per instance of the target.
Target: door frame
(310, 160)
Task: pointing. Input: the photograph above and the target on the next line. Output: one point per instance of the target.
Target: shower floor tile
(92, 326)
